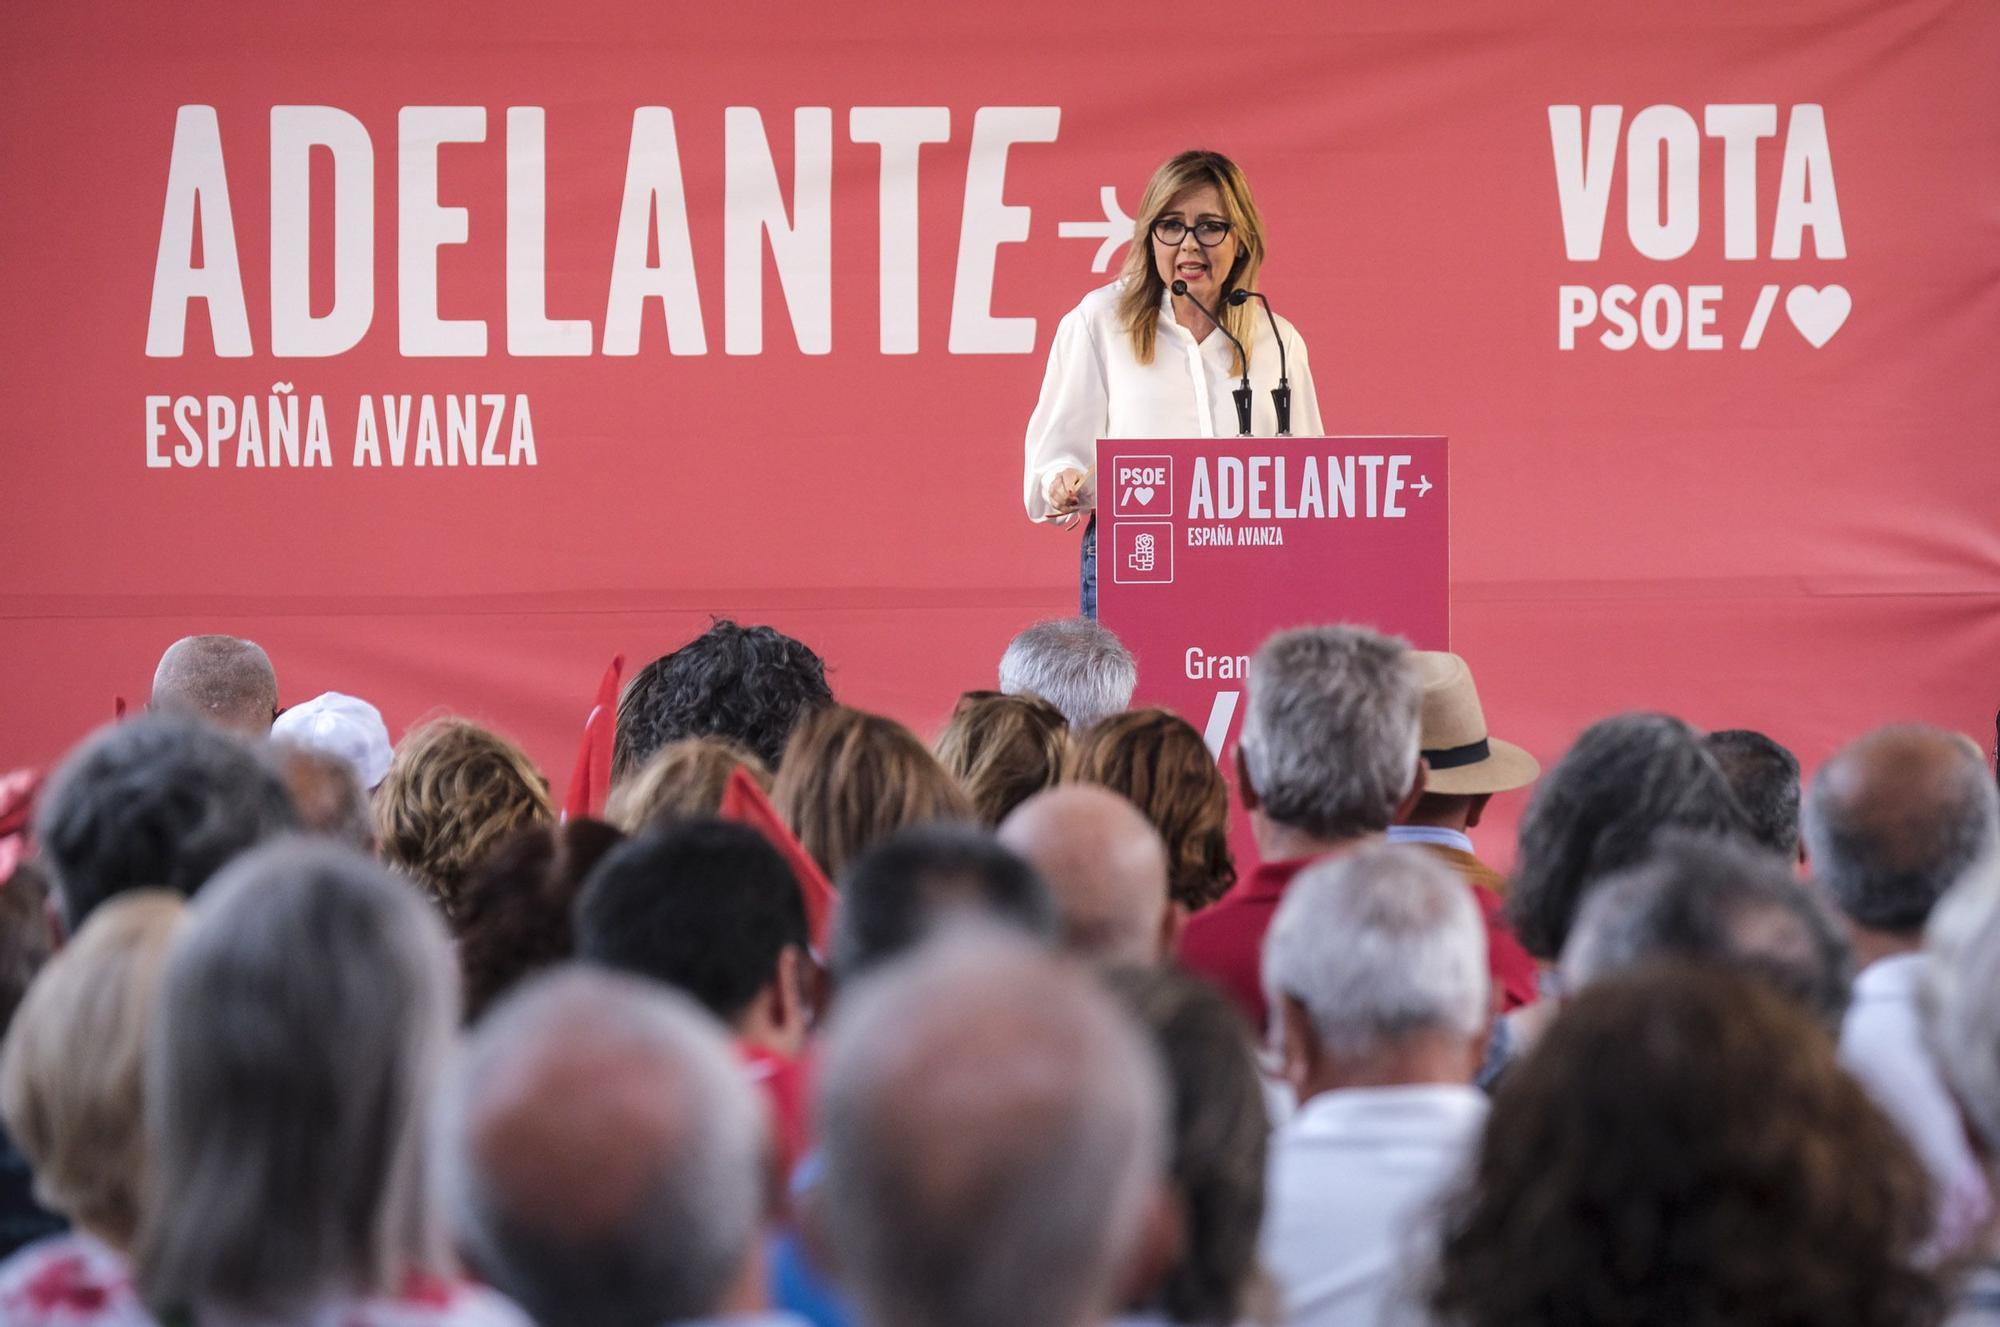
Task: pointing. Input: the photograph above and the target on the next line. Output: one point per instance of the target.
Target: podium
(1208, 545)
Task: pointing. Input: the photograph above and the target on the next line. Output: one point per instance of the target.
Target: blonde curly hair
(453, 791)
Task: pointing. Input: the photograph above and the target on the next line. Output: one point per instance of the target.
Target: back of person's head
(453, 791)
(683, 778)
(305, 1013)
(154, 802)
(1627, 778)
(26, 937)
(219, 680)
(1894, 818)
(1765, 778)
(327, 795)
(1682, 1146)
(1159, 762)
(1375, 947)
(514, 912)
(1330, 734)
(910, 884)
(1961, 999)
(1714, 901)
(1073, 663)
(993, 1138)
(707, 906)
(1106, 867)
(604, 1151)
(851, 778)
(1221, 1135)
(1003, 750)
(750, 685)
(71, 1074)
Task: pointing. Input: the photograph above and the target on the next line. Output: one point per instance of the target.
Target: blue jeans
(1087, 580)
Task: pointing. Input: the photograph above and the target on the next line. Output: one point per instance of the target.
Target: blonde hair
(850, 779)
(1139, 301)
(1003, 750)
(684, 778)
(454, 790)
(1159, 762)
(72, 1072)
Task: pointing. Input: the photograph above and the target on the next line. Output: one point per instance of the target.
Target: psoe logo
(1665, 215)
(1142, 486)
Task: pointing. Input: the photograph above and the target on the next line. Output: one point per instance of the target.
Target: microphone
(1281, 395)
(1241, 394)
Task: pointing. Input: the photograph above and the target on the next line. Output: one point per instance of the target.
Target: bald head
(1894, 819)
(1106, 866)
(993, 1131)
(218, 679)
(606, 1153)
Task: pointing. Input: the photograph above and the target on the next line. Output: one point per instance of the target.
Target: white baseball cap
(343, 726)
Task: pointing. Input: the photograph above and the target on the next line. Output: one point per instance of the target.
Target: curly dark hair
(1627, 778)
(1159, 762)
(1683, 1150)
(514, 912)
(749, 684)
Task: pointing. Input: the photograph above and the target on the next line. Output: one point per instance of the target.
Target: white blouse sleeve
(1072, 414)
(1305, 404)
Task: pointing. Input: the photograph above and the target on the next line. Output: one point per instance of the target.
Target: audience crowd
(819, 1024)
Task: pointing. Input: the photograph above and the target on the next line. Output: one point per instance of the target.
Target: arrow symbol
(1424, 485)
(1114, 230)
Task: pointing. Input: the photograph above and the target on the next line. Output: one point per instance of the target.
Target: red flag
(745, 803)
(590, 781)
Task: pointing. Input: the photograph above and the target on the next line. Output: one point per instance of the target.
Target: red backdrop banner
(449, 350)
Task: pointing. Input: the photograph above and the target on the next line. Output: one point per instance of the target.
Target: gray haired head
(155, 802)
(1961, 995)
(1377, 945)
(1714, 901)
(304, 1015)
(220, 680)
(1331, 735)
(1895, 818)
(604, 1152)
(1074, 664)
(993, 1130)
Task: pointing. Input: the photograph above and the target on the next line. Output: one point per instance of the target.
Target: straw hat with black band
(1464, 759)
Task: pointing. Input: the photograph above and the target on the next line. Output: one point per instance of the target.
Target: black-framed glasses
(1208, 232)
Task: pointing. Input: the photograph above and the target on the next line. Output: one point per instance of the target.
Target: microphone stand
(1242, 394)
(1281, 395)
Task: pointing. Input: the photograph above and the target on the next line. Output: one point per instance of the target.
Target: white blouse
(1095, 389)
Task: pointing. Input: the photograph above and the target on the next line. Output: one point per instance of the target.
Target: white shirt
(1348, 1209)
(1435, 834)
(1095, 388)
(1882, 1044)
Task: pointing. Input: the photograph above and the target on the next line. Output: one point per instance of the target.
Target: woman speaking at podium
(1142, 358)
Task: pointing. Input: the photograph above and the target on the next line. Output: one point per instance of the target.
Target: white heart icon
(1144, 495)
(1818, 314)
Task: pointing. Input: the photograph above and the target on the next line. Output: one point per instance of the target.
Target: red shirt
(783, 1083)
(1225, 941)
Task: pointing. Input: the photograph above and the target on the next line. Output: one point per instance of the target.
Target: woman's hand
(1066, 497)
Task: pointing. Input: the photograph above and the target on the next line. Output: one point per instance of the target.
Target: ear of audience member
(1075, 664)
(1159, 762)
(913, 883)
(850, 779)
(994, 1141)
(1003, 750)
(1765, 778)
(1221, 1135)
(1682, 1147)
(514, 912)
(1327, 757)
(70, 1090)
(1598, 811)
(1714, 901)
(328, 796)
(154, 802)
(218, 680)
(1892, 821)
(605, 1154)
(1376, 972)
(1106, 867)
(453, 791)
(305, 1012)
(684, 778)
(749, 685)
